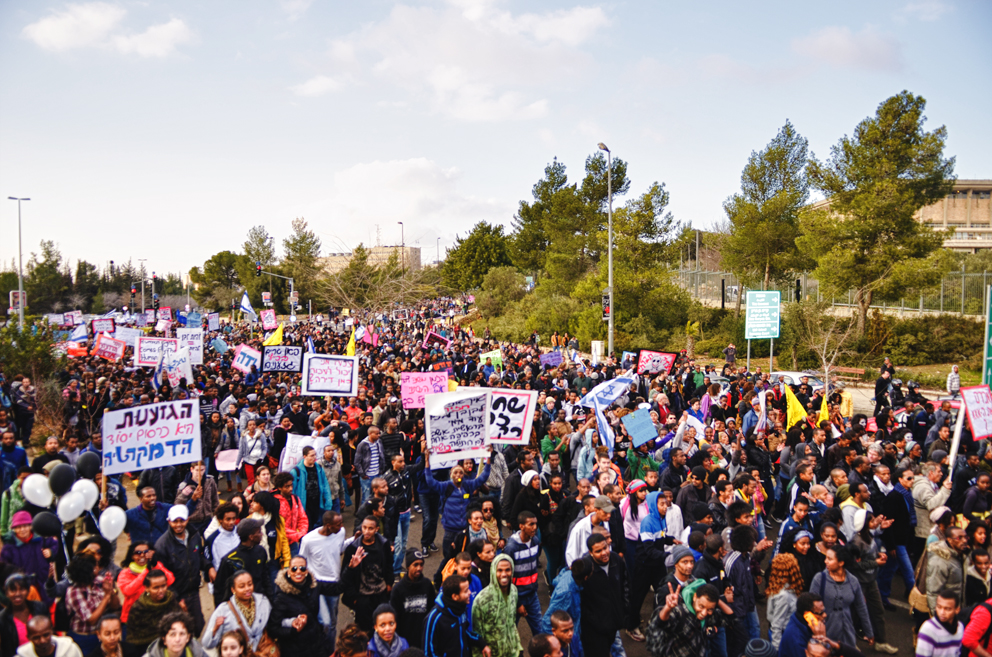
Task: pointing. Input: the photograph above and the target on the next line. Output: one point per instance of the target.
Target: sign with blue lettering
(151, 436)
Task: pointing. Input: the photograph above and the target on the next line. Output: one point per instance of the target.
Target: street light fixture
(609, 248)
(20, 264)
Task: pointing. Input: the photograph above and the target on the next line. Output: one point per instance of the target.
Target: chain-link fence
(959, 292)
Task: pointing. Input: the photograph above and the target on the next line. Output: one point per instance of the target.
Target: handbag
(267, 646)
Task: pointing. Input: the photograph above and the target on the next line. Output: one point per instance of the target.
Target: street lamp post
(142, 261)
(402, 245)
(439, 252)
(609, 248)
(20, 265)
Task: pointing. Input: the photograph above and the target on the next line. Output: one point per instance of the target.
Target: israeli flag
(246, 306)
(607, 392)
(310, 346)
(605, 430)
(159, 374)
(78, 334)
(109, 314)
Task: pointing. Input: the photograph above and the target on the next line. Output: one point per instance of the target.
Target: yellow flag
(351, 343)
(795, 409)
(452, 386)
(275, 339)
(824, 411)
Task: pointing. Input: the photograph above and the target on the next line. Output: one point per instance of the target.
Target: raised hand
(672, 599)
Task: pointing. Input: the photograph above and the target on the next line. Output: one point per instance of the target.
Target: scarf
(392, 649)
(883, 488)
(492, 530)
(248, 611)
(908, 496)
(494, 614)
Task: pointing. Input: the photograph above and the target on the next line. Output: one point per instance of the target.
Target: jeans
(898, 560)
(366, 491)
(328, 616)
(399, 545)
(346, 493)
(529, 601)
(718, 643)
(753, 624)
(428, 504)
(616, 650)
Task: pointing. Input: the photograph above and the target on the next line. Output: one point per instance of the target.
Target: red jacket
(294, 516)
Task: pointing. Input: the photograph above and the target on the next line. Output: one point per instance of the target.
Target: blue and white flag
(310, 346)
(159, 375)
(246, 306)
(108, 315)
(606, 434)
(607, 392)
(78, 334)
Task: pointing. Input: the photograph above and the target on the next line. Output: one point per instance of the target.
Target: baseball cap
(393, 400)
(247, 527)
(177, 512)
(603, 503)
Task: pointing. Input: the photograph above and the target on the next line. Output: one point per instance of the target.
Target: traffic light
(154, 277)
(799, 290)
(606, 305)
(155, 301)
(258, 269)
(134, 290)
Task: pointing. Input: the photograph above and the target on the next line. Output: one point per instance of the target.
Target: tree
(764, 216)
(259, 247)
(87, 281)
(218, 282)
(468, 261)
(362, 286)
(501, 287)
(47, 282)
(867, 238)
(301, 251)
(812, 326)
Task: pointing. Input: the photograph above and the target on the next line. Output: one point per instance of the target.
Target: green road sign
(764, 310)
(987, 363)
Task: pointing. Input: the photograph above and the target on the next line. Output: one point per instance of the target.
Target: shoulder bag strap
(237, 617)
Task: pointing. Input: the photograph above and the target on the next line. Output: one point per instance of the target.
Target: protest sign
(414, 386)
(213, 322)
(151, 436)
(219, 346)
(628, 359)
(654, 362)
(227, 460)
(128, 335)
(442, 366)
(193, 320)
(282, 358)
(109, 348)
(192, 339)
(102, 325)
(162, 326)
(165, 312)
(639, 426)
(292, 454)
(324, 374)
(457, 425)
(58, 319)
(147, 350)
(177, 366)
(432, 340)
(978, 402)
(511, 414)
(496, 355)
(150, 316)
(551, 359)
(140, 320)
(268, 318)
(74, 317)
(245, 357)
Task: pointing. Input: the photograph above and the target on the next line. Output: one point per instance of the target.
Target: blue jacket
(139, 528)
(300, 486)
(447, 634)
(795, 638)
(455, 500)
(16, 457)
(566, 596)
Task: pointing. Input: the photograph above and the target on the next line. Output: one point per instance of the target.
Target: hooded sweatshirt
(655, 535)
(494, 614)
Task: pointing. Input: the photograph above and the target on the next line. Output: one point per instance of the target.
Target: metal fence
(959, 292)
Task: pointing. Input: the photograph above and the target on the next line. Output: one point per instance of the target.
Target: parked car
(795, 378)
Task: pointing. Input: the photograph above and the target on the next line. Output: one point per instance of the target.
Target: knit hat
(20, 518)
(843, 492)
(527, 478)
(635, 486)
(938, 456)
(680, 552)
(413, 556)
(859, 519)
(759, 648)
(699, 472)
(938, 512)
(700, 511)
(910, 444)
(247, 527)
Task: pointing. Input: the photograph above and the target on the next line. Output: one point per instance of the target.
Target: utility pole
(20, 265)
(609, 192)
(142, 261)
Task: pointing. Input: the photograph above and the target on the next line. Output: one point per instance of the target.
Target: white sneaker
(885, 647)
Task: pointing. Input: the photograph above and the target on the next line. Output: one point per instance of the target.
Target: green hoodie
(688, 593)
(494, 615)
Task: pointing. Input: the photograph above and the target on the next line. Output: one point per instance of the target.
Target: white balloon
(112, 522)
(36, 491)
(88, 490)
(71, 506)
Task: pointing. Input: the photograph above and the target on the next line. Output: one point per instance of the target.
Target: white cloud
(295, 8)
(839, 46)
(472, 60)
(926, 10)
(98, 25)
(316, 86)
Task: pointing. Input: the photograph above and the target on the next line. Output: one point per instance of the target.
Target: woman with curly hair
(785, 583)
(352, 642)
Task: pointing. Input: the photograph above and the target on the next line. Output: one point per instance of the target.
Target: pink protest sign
(414, 386)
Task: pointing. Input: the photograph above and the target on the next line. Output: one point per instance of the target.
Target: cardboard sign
(640, 427)
(109, 348)
(292, 454)
(978, 403)
(151, 436)
(442, 366)
(245, 357)
(162, 326)
(434, 341)
(511, 415)
(103, 325)
(457, 425)
(654, 362)
(150, 316)
(414, 386)
(268, 318)
(165, 312)
(551, 359)
(128, 335)
(141, 320)
(497, 357)
(282, 358)
(192, 339)
(213, 322)
(147, 350)
(325, 374)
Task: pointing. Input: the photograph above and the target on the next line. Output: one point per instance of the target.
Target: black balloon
(46, 524)
(61, 479)
(88, 465)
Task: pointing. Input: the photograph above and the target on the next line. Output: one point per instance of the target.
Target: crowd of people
(746, 494)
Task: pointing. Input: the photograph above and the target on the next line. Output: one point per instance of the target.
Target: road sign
(987, 363)
(266, 298)
(294, 296)
(764, 310)
(15, 298)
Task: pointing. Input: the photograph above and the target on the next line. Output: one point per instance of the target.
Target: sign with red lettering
(282, 358)
(268, 318)
(148, 350)
(165, 312)
(978, 403)
(325, 374)
(414, 386)
(109, 348)
(457, 425)
(654, 362)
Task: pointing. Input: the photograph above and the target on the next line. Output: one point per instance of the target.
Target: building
(408, 256)
(965, 215)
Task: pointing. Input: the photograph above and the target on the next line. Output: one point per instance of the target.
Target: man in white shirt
(42, 643)
(322, 548)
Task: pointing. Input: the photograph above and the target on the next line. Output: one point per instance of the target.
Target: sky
(165, 130)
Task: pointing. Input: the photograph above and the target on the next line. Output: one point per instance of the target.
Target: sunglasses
(298, 569)
(138, 553)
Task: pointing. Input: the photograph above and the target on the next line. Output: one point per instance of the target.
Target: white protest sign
(511, 414)
(282, 358)
(245, 357)
(128, 335)
(213, 322)
(192, 339)
(978, 403)
(102, 325)
(268, 318)
(177, 366)
(55, 318)
(151, 436)
(292, 454)
(165, 312)
(76, 317)
(324, 374)
(147, 350)
(457, 425)
(414, 386)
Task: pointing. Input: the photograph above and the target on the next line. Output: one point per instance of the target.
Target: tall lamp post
(609, 192)
(402, 244)
(439, 252)
(20, 265)
(142, 261)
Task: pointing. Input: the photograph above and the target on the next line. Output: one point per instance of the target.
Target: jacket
(186, 561)
(566, 596)
(976, 587)
(654, 537)
(164, 480)
(926, 499)
(8, 630)
(377, 565)
(841, 600)
(64, 647)
(263, 611)
(449, 634)
(605, 597)
(300, 487)
(201, 511)
(157, 649)
(243, 558)
(738, 569)
(363, 459)
(290, 601)
(142, 528)
(28, 559)
(412, 601)
(683, 635)
(455, 499)
(780, 608)
(795, 638)
(294, 516)
(494, 615)
(945, 569)
(132, 585)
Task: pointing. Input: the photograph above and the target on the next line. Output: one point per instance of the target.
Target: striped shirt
(524, 557)
(935, 641)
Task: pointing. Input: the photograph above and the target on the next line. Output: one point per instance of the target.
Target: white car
(795, 379)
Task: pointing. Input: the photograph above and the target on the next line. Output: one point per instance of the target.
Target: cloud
(926, 10)
(840, 47)
(470, 59)
(98, 25)
(295, 8)
(316, 86)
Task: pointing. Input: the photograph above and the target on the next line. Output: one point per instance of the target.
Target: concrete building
(965, 215)
(408, 256)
